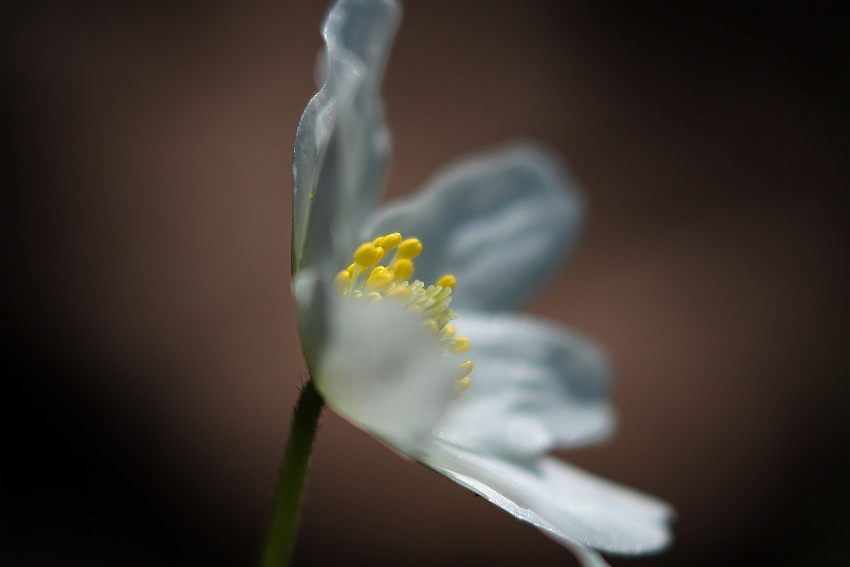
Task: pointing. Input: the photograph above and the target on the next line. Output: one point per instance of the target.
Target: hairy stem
(280, 539)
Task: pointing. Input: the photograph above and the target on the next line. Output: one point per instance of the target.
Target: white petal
(341, 146)
(535, 387)
(311, 299)
(501, 223)
(569, 505)
(384, 372)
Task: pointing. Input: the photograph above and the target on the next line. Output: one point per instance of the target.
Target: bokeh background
(150, 354)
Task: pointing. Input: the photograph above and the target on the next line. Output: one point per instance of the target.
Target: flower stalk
(280, 539)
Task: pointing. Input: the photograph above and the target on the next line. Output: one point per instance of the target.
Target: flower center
(382, 271)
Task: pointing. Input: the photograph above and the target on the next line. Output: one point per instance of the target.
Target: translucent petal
(382, 370)
(569, 505)
(341, 146)
(311, 301)
(535, 387)
(501, 222)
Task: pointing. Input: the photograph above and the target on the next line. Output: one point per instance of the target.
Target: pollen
(367, 255)
(381, 279)
(403, 269)
(342, 280)
(462, 385)
(383, 270)
(447, 281)
(465, 368)
(460, 346)
(410, 248)
(389, 241)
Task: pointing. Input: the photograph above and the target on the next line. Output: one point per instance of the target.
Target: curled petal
(382, 370)
(569, 505)
(536, 387)
(341, 146)
(501, 223)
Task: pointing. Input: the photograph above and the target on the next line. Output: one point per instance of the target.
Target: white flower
(380, 346)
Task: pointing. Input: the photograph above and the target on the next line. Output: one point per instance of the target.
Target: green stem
(284, 525)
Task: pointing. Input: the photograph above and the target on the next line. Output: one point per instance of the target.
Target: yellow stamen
(367, 255)
(447, 281)
(431, 326)
(399, 292)
(403, 269)
(460, 346)
(389, 241)
(409, 249)
(381, 279)
(341, 281)
(462, 385)
(392, 279)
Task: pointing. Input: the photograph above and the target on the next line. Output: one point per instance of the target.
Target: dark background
(150, 354)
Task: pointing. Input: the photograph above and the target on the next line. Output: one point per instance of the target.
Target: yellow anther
(447, 281)
(393, 279)
(381, 279)
(342, 280)
(399, 292)
(409, 249)
(462, 385)
(431, 326)
(460, 346)
(389, 241)
(465, 368)
(403, 269)
(368, 254)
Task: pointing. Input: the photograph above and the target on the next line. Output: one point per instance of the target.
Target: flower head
(404, 309)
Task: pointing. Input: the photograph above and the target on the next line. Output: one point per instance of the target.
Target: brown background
(151, 354)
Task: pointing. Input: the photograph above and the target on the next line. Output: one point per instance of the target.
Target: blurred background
(150, 355)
